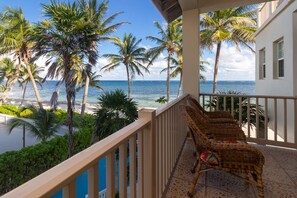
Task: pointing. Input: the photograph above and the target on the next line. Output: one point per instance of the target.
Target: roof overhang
(172, 9)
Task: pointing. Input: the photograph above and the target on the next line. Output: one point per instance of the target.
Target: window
(280, 58)
(262, 64)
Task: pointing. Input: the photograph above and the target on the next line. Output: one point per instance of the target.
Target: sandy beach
(90, 108)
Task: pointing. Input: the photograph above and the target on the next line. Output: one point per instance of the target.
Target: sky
(141, 15)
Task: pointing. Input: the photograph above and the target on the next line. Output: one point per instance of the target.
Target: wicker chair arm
(239, 152)
(219, 114)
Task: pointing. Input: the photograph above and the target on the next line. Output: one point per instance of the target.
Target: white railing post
(149, 153)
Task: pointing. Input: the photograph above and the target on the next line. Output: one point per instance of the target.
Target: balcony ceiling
(172, 9)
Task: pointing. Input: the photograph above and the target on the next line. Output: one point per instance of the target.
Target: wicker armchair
(234, 158)
(218, 116)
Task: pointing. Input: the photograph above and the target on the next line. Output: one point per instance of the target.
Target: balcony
(154, 156)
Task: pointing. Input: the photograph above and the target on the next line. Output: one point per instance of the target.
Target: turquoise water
(82, 182)
(143, 92)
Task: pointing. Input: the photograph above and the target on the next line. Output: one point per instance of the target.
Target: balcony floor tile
(279, 177)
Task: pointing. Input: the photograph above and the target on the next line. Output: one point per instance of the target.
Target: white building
(276, 58)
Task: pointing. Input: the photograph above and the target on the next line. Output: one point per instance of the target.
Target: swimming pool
(82, 181)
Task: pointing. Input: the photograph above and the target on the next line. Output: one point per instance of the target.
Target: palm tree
(25, 78)
(93, 82)
(14, 33)
(177, 67)
(68, 37)
(130, 55)
(8, 74)
(43, 125)
(96, 14)
(116, 111)
(234, 26)
(170, 41)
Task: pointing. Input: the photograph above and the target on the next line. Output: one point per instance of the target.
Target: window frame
(262, 63)
(279, 59)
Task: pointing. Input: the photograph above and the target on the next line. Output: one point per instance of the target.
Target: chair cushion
(209, 158)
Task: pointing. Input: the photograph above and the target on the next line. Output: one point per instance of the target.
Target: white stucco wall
(281, 24)
(280, 27)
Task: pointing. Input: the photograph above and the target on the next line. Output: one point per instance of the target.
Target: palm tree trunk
(12, 84)
(85, 96)
(59, 88)
(128, 78)
(70, 93)
(24, 136)
(24, 93)
(168, 78)
(180, 84)
(33, 83)
(216, 68)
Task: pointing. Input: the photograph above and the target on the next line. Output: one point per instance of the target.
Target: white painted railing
(155, 141)
(279, 116)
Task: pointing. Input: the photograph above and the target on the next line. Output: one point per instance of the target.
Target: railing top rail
(51, 181)
(161, 110)
(249, 96)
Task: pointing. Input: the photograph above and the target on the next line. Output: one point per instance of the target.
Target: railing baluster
(295, 122)
(123, 170)
(249, 116)
(93, 181)
(225, 103)
(210, 103)
(217, 105)
(232, 106)
(132, 171)
(203, 101)
(275, 119)
(257, 118)
(69, 190)
(140, 164)
(285, 120)
(163, 152)
(266, 118)
(110, 180)
(240, 112)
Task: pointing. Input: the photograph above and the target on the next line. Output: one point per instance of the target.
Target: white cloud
(233, 65)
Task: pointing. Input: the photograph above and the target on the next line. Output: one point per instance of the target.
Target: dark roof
(170, 9)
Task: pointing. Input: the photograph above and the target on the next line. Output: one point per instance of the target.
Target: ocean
(143, 92)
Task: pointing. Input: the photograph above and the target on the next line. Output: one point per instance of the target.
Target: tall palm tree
(25, 78)
(93, 82)
(234, 26)
(169, 41)
(130, 55)
(96, 14)
(8, 74)
(177, 67)
(67, 36)
(43, 125)
(14, 33)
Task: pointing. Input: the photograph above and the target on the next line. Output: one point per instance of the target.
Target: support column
(191, 52)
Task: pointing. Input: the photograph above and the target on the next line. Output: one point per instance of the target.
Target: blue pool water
(82, 181)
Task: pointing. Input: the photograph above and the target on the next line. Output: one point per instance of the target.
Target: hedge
(17, 167)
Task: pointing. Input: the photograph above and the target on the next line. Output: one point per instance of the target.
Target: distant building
(276, 58)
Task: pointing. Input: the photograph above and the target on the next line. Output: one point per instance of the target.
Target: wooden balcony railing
(148, 148)
(270, 120)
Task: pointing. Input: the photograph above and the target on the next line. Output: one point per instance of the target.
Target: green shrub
(17, 167)
(27, 113)
(9, 110)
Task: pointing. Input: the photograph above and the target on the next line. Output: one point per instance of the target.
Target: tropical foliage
(169, 41)
(116, 111)
(14, 33)
(244, 109)
(234, 26)
(8, 73)
(103, 27)
(131, 55)
(43, 126)
(66, 36)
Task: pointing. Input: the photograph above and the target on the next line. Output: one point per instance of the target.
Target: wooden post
(149, 153)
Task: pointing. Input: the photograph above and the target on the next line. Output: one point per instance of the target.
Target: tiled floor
(279, 177)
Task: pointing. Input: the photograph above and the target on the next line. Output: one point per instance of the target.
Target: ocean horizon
(144, 92)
